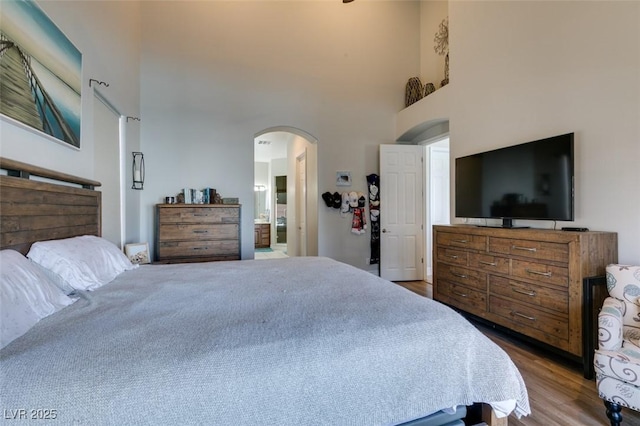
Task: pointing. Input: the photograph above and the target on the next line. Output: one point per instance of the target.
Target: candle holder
(138, 170)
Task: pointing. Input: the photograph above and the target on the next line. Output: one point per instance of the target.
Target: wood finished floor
(558, 394)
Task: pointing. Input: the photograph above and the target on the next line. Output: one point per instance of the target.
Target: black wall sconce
(138, 170)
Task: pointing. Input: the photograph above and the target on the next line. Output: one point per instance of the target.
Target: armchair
(617, 359)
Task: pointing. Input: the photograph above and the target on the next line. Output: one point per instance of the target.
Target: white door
(301, 203)
(108, 169)
(401, 214)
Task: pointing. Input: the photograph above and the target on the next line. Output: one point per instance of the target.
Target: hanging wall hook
(132, 118)
(101, 83)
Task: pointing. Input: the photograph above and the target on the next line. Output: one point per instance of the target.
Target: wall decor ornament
(343, 178)
(40, 73)
(138, 170)
(441, 46)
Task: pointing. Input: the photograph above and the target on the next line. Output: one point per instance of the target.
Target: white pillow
(26, 296)
(84, 263)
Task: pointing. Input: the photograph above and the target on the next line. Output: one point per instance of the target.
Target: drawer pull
(531, 249)
(523, 316)
(544, 274)
(204, 231)
(451, 256)
(459, 294)
(459, 275)
(200, 248)
(525, 292)
(487, 263)
(200, 214)
(461, 241)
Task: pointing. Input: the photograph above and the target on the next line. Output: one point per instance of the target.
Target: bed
(287, 341)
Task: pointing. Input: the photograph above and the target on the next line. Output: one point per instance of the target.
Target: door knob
(384, 230)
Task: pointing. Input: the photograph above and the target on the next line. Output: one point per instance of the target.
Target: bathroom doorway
(276, 154)
(280, 201)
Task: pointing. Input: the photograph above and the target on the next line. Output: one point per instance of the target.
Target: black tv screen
(533, 180)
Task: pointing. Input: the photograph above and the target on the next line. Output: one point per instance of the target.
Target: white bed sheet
(286, 341)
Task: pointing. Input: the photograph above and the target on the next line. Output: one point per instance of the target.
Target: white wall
(261, 173)
(526, 70)
(215, 73)
(278, 167)
(108, 36)
(431, 64)
(261, 177)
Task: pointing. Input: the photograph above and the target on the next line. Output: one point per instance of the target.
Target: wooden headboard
(32, 210)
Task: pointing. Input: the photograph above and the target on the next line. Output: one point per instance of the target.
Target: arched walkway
(302, 185)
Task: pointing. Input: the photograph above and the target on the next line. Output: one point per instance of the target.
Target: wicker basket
(413, 91)
(429, 88)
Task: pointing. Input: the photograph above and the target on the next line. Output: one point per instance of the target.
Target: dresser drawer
(462, 297)
(199, 215)
(198, 232)
(468, 241)
(532, 280)
(540, 250)
(464, 276)
(228, 249)
(540, 272)
(556, 300)
(489, 263)
(449, 255)
(529, 317)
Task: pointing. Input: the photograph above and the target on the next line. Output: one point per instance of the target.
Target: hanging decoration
(373, 180)
(357, 201)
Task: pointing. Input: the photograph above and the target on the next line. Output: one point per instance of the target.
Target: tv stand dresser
(528, 281)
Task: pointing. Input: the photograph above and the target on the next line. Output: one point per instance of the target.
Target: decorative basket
(429, 88)
(413, 91)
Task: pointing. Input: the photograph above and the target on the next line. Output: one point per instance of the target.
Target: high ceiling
(272, 145)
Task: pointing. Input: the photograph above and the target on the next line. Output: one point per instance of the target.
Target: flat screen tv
(533, 180)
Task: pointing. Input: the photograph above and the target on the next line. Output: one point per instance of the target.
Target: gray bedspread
(299, 341)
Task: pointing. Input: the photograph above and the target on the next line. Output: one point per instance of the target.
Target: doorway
(301, 203)
(406, 245)
(437, 196)
(280, 201)
(277, 152)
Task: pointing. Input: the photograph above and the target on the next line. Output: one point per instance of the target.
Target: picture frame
(137, 253)
(52, 65)
(343, 178)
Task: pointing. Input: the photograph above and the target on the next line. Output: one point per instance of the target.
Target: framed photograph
(343, 178)
(137, 253)
(41, 74)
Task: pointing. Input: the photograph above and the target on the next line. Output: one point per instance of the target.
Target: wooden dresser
(262, 235)
(197, 232)
(526, 280)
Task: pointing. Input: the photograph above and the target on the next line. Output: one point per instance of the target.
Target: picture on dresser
(137, 253)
